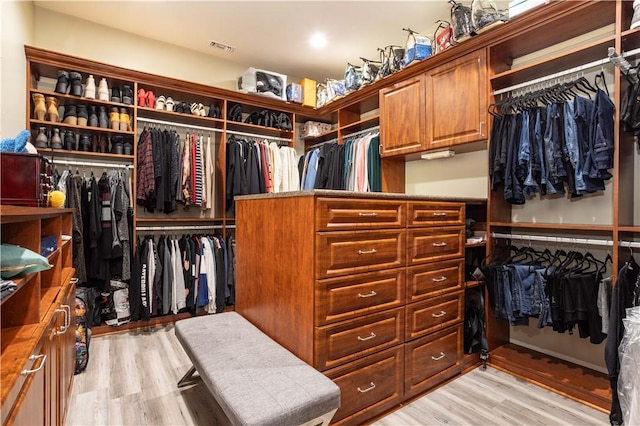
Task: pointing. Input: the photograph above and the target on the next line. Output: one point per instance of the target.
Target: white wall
(99, 43)
(16, 30)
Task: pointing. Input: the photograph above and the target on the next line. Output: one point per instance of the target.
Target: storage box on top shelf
(294, 93)
(262, 82)
(308, 92)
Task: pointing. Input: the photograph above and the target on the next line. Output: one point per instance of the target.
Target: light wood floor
(131, 380)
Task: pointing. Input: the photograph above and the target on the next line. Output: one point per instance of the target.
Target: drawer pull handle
(439, 214)
(74, 280)
(373, 293)
(438, 358)
(369, 337)
(439, 279)
(372, 214)
(442, 244)
(33, 357)
(371, 387)
(372, 251)
(439, 314)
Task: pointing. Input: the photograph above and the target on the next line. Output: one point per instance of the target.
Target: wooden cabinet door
(28, 408)
(52, 368)
(67, 345)
(402, 117)
(456, 101)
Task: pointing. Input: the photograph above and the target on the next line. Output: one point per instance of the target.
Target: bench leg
(187, 379)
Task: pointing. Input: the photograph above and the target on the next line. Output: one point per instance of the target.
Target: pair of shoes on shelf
(69, 82)
(146, 98)
(70, 140)
(214, 111)
(198, 109)
(99, 144)
(76, 115)
(124, 95)
(120, 119)
(46, 108)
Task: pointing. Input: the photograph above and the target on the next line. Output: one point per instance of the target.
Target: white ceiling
(271, 35)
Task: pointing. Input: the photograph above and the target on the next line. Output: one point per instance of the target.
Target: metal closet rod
(185, 126)
(360, 132)
(585, 241)
(91, 164)
(180, 228)
(253, 135)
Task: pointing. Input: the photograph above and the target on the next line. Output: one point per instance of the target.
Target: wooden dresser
(367, 288)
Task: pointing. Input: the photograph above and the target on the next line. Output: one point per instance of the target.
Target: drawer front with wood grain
(342, 253)
(350, 214)
(338, 299)
(421, 214)
(428, 280)
(369, 386)
(431, 245)
(434, 314)
(432, 359)
(349, 340)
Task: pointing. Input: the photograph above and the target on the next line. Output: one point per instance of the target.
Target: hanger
(598, 77)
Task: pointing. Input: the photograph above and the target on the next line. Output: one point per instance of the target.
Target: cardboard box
(308, 92)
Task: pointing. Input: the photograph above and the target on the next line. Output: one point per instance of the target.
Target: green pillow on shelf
(15, 260)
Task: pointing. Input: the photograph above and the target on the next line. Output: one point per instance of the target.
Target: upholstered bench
(254, 379)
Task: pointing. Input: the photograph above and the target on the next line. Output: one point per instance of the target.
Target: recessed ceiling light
(222, 46)
(318, 40)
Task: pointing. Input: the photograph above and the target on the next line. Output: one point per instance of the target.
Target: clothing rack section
(181, 228)
(254, 135)
(91, 164)
(599, 62)
(175, 124)
(361, 132)
(566, 240)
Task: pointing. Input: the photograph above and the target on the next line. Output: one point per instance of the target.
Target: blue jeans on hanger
(574, 151)
(583, 114)
(553, 151)
(603, 134)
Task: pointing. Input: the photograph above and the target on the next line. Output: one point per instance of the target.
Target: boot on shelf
(103, 144)
(70, 115)
(90, 88)
(39, 108)
(115, 95)
(85, 143)
(83, 115)
(128, 147)
(127, 94)
(117, 145)
(75, 78)
(114, 118)
(69, 140)
(56, 141)
(52, 109)
(63, 82)
(42, 140)
(103, 118)
(103, 90)
(125, 120)
(93, 117)
(95, 143)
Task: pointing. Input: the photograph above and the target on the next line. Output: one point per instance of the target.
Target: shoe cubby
(173, 104)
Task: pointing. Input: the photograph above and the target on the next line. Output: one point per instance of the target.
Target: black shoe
(63, 82)
(117, 146)
(128, 148)
(179, 107)
(69, 140)
(93, 117)
(214, 111)
(127, 95)
(70, 114)
(85, 143)
(115, 95)
(76, 83)
(83, 115)
(103, 118)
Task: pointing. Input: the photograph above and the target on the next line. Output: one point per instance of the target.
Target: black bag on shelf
(235, 113)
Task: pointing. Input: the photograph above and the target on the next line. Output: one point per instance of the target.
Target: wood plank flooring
(131, 380)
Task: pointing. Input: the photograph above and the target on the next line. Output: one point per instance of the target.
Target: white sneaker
(169, 104)
(90, 88)
(103, 90)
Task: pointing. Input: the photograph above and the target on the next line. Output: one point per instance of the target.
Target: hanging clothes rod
(548, 239)
(91, 164)
(361, 132)
(315, 145)
(185, 126)
(631, 52)
(252, 135)
(552, 76)
(180, 228)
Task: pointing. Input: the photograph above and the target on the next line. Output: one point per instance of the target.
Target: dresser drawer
(432, 279)
(430, 245)
(432, 359)
(435, 213)
(343, 298)
(342, 253)
(369, 386)
(351, 214)
(434, 314)
(349, 340)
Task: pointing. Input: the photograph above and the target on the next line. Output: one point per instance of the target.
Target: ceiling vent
(222, 47)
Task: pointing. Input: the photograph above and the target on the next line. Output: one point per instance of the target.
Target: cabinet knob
(371, 387)
(369, 337)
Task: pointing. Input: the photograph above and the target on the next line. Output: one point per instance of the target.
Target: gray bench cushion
(254, 379)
